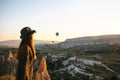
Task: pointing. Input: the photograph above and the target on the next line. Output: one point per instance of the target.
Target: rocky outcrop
(42, 72)
(10, 56)
(8, 65)
(90, 40)
(67, 68)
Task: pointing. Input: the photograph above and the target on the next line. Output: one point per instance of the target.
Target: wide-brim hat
(26, 32)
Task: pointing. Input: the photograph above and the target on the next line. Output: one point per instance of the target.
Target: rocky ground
(67, 67)
(78, 68)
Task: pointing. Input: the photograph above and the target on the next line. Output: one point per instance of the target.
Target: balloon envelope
(57, 34)
(52, 41)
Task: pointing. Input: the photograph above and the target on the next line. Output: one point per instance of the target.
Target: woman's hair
(29, 42)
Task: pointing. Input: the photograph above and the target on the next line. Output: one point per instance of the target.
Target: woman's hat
(26, 32)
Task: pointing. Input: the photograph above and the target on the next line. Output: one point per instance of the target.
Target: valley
(74, 62)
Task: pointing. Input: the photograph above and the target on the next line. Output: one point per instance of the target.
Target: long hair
(27, 41)
(31, 44)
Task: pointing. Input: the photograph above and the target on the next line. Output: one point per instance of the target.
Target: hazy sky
(71, 18)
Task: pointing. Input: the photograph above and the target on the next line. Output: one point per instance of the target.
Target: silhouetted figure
(26, 55)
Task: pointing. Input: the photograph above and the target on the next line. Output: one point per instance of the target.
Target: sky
(71, 18)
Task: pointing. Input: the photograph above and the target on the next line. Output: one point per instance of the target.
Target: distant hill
(15, 43)
(91, 40)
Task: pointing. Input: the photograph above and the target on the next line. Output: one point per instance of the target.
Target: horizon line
(66, 38)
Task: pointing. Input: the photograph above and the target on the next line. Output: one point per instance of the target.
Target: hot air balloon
(57, 34)
(52, 41)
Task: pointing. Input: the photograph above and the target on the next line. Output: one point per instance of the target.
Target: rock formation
(42, 72)
(10, 55)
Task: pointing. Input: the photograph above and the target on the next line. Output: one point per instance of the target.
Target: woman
(26, 55)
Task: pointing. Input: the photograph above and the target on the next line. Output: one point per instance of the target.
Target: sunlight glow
(71, 18)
